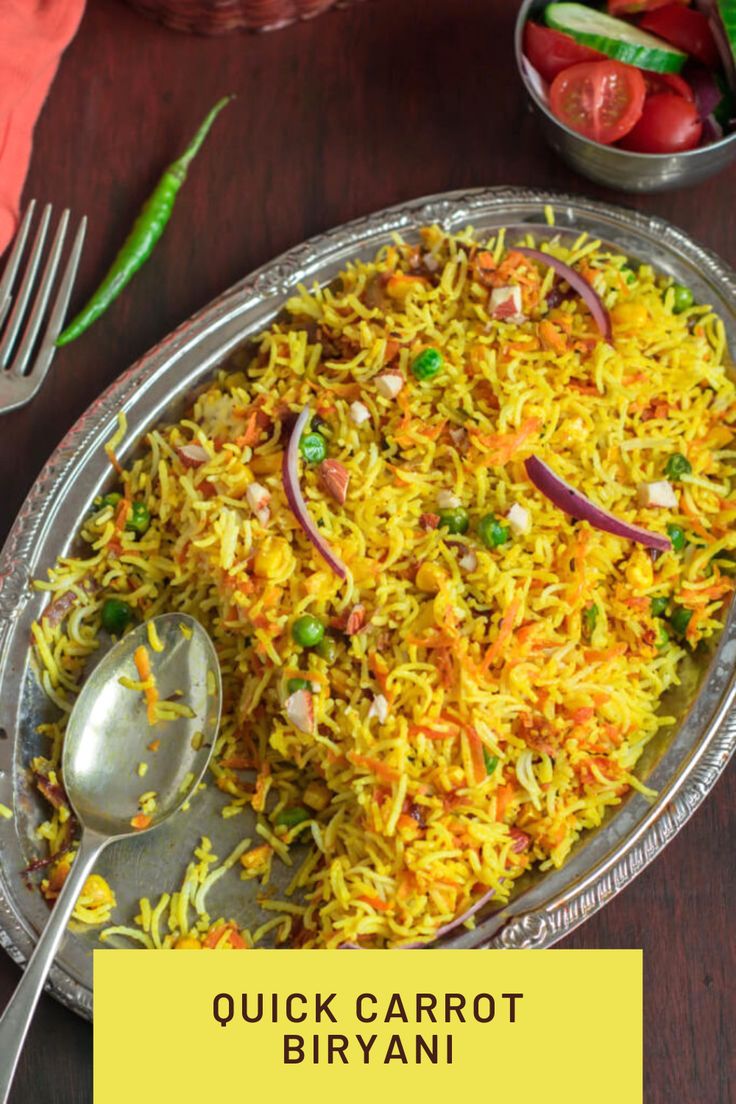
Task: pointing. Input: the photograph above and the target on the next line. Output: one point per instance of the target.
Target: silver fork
(24, 358)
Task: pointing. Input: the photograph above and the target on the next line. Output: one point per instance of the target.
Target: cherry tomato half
(686, 29)
(668, 124)
(668, 82)
(600, 99)
(551, 51)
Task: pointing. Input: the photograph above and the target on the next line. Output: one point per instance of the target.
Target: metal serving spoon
(107, 737)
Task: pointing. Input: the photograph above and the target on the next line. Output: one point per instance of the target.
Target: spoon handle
(16, 1018)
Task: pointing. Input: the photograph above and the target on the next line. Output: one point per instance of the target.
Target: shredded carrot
(551, 337)
(502, 446)
(376, 766)
(449, 733)
(376, 902)
(154, 745)
(143, 666)
(504, 794)
(121, 514)
(504, 632)
(476, 754)
(140, 821)
(592, 656)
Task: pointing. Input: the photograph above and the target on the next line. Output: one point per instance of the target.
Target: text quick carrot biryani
(452, 523)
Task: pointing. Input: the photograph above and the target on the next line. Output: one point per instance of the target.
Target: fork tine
(20, 360)
(46, 352)
(16, 315)
(11, 265)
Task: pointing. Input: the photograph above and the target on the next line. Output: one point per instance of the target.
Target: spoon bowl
(109, 736)
(135, 751)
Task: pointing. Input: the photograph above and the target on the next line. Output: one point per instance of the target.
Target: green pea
(456, 520)
(116, 616)
(680, 620)
(327, 649)
(491, 761)
(677, 536)
(662, 636)
(657, 606)
(313, 448)
(427, 364)
(111, 499)
(139, 518)
(307, 630)
(289, 818)
(682, 298)
(294, 684)
(590, 616)
(628, 274)
(677, 466)
(492, 532)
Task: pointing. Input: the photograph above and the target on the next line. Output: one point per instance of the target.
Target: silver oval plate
(683, 767)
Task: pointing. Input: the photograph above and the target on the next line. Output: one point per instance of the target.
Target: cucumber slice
(727, 12)
(614, 37)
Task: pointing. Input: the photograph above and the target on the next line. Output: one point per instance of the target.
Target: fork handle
(16, 1018)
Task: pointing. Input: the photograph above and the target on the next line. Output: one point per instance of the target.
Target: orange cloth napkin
(33, 35)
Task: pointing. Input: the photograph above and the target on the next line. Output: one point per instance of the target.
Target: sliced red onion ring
(572, 502)
(591, 297)
(705, 88)
(290, 476)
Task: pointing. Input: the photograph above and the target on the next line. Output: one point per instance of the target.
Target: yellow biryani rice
(480, 704)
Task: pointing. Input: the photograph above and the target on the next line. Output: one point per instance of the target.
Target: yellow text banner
(368, 1027)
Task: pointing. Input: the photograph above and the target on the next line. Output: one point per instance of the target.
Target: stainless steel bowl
(618, 168)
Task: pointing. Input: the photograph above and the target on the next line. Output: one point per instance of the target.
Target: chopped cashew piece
(519, 519)
(469, 561)
(504, 304)
(388, 384)
(446, 500)
(379, 708)
(657, 494)
(300, 710)
(258, 499)
(359, 412)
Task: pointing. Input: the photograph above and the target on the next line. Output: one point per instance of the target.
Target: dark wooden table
(335, 118)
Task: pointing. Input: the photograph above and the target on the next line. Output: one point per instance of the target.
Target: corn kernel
(96, 892)
(639, 572)
(632, 316)
(274, 559)
(317, 796)
(430, 578)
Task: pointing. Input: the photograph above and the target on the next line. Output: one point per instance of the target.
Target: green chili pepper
(427, 364)
(658, 606)
(116, 616)
(307, 630)
(677, 536)
(455, 520)
(294, 684)
(680, 620)
(677, 466)
(492, 532)
(682, 298)
(491, 761)
(289, 818)
(313, 447)
(139, 518)
(327, 649)
(662, 636)
(628, 274)
(147, 229)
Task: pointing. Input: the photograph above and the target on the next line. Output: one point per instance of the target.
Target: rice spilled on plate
(475, 692)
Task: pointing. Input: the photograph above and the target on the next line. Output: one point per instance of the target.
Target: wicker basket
(214, 17)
